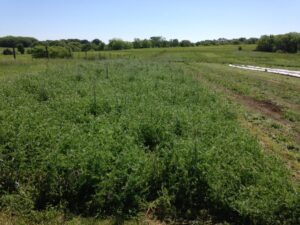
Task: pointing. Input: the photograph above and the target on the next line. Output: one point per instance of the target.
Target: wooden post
(14, 52)
(47, 52)
(106, 70)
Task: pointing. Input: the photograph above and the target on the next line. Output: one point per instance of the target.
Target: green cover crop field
(140, 136)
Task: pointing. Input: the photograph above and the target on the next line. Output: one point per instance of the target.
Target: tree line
(63, 48)
(51, 48)
(16, 42)
(289, 43)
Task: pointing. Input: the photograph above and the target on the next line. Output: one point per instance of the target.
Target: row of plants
(119, 137)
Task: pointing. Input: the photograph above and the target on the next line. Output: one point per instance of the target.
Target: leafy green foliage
(21, 48)
(147, 137)
(119, 44)
(39, 51)
(279, 43)
(12, 41)
(7, 51)
(51, 52)
(59, 52)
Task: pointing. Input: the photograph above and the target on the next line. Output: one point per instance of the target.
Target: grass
(163, 132)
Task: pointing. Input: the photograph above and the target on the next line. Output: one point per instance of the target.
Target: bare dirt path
(262, 131)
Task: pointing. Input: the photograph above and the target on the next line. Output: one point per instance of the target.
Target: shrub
(39, 52)
(119, 44)
(287, 43)
(7, 51)
(280, 43)
(53, 52)
(59, 52)
(265, 44)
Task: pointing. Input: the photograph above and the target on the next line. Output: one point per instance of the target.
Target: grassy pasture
(171, 133)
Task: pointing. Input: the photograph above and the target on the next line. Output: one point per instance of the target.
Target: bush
(265, 44)
(281, 43)
(186, 43)
(119, 44)
(7, 51)
(287, 43)
(59, 52)
(39, 52)
(53, 52)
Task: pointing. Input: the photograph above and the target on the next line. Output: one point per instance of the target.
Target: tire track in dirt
(266, 108)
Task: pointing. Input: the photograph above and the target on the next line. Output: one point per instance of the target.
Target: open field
(173, 134)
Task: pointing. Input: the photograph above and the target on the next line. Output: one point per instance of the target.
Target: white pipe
(292, 73)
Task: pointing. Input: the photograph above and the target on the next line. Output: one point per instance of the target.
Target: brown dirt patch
(266, 107)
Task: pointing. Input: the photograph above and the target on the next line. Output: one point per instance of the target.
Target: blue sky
(182, 19)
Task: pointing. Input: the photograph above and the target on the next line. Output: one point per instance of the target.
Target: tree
(21, 48)
(96, 41)
(9, 42)
(146, 43)
(75, 46)
(26, 41)
(223, 41)
(174, 43)
(85, 48)
(84, 42)
(242, 40)
(116, 44)
(157, 41)
(13, 42)
(98, 45)
(265, 43)
(281, 43)
(119, 44)
(137, 43)
(186, 43)
(251, 40)
(286, 43)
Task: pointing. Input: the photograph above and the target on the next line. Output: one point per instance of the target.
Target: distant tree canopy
(224, 41)
(119, 44)
(289, 43)
(186, 43)
(12, 41)
(86, 47)
(77, 45)
(17, 42)
(98, 45)
(159, 42)
(137, 43)
(174, 43)
(284, 43)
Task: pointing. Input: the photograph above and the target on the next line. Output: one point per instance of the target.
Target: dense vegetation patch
(50, 52)
(121, 137)
(289, 43)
